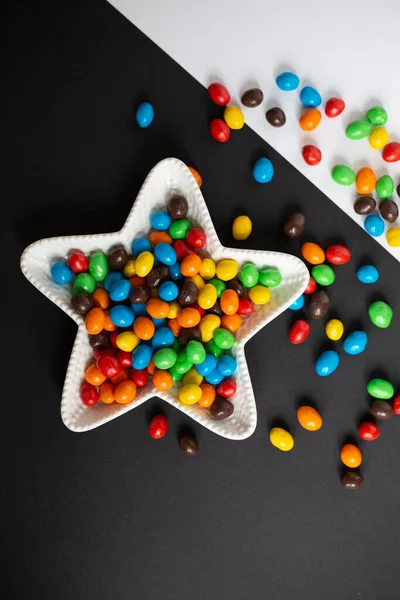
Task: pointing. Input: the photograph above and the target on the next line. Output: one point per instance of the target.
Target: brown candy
(216, 309)
(188, 334)
(365, 205)
(389, 210)
(221, 409)
(252, 98)
(236, 285)
(319, 305)
(139, 294)
(99, 340)
(188, 444)
(157, 276)
(117, 259)
(294, 226)
(188, 294)
(398, 190)
(275, 117)
(380, 409)
(177, 207)
(351, 480)
(82, 303)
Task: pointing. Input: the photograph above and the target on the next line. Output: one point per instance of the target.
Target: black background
(112, 514)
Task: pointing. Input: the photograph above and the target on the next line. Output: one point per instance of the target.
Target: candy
(312, 253)
(207, 296)
(187, 294)
(377, 115)
(94, 321)
(351, 456)
(208, 365)
(218, 94)
(144, 328)
(83, 282)
(365, 205)
(192, 377)
(157, 308)
(220, 130)
(124, 358)
(140, 245)
(98, 267)
(188, 445)
(297, 304)
(188, 317)
(163, 337)
(310, 119)
(310, 97)
(144, 115)
(107, 392)
(160, 220)
(294, 225)
(299, 331)
(196, 176)
(223, 339)
(259, 295)
(144, 263)
(384, 186)
(99, 340)
(221, 409)
(396, 405)
(368, 431)
(378, 138)
(275, 117)
(158, 427)
(122, 316)
(139, 295)
(120, 290)
(393, 237)
(380, 409)
(237, 286)
(231, 322)
(241, 228)
(374, 225)
(177, 207)
(309, 418)
(357, 130)
(213, 349)
(190, 265)
(117, 258)
(270, 277)
(319, 305)
(89, 395)
(196, 238)
(287, 81)
(227, 388)
(355, 343)
(165, 253)
(101, 298)
(234, 117)
(323, 274)
(127, 340)
(380, 314)
(207, 269)
(82, 303)
(162, 380)
(334, 329)
(78, 262)
(125, 392)
(350, 480)
(311, 154)
(368, 274)
(380, 389)
(227, 269)
(263, 170)
(389, 210)
(61, 273)
(281, 439)
(141, 356)
(111, 279)
(195, 352)
(252, 98)
(215, 377)
(327, 363)
(229, 301)
(337, 254)
(168, 291)
(227, 365)
(365, 181)
(311, 286)
(190, 394)
(207, 396)
(198, 282)
(94, 376)
(334, 107)
(208, 324)
(343, 175)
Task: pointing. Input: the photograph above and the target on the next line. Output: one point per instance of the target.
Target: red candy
(77, 261)
(299, 331)
(368, 431)
(108, 365)
(196, 238)
(337, 254)
(246, 307)
(124, 358)
(311, 286)
(182, 249)
(334, 107)
(312, 155)
(89, 394)
(391, 152)
(227, 388)
(219, 94)
(103, 352)
(199, 309)
(396, 405)
(140, 377)
(158, 427)
(219, 130)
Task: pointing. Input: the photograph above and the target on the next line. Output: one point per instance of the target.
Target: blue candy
(168, 291)
(355, 343)
(227, 365)
(144, 114)
(61, 273)
(140, 245)
(368, 274)
(215, 377)
(111, 279)
(327, 363)
(165, 254)
(374, 225)
(141, 356)
(120, 290)
(162, 338)
(175, 272)
(122, 316)
(297, 304)
(287, 81)
(160, 220)
(208, 365)
(158, 322)
(263, 170)
(310, 97)
(139, 310)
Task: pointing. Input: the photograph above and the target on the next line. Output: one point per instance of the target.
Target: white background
(344, 48)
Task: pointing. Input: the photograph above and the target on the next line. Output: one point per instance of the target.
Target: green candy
(195, 352)
(384, 186)
(357, 130)
(165, 358)
(224, 339)
(323, 274)
(380, 389)
(380, 314)
(183, 364)
(270, 277)
(219, 285)
(179, 229)
(98, 267)
(343, 175)
(83, 282)
(212, 348)
(377, 115)
(174, 374)
(249, 275)
(176, 345)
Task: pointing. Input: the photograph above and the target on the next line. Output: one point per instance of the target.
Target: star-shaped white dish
(168, 177)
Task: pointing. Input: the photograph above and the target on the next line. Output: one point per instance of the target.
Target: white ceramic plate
(166, 178)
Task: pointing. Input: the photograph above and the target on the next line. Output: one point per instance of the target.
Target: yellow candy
(192, 376)
(378, 138)
(393, 237)
(174, 308)
(234, 117)
(281, 439)
(227, 269)
(190, 394)
(241, 228)
(207, 325)
(207, 269)
(127, 341)
(334, 329)
(207, 296)
(198, 281)
(130, 269)
(144, 264)
(259, 294)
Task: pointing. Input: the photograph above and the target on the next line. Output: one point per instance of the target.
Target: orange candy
(107, 392)
(151, 367)
(310, 119)
(351, 456)
(365, 181)
(162, 380)
(94, 376)
(123, 376)
(108, 324)
(174, 327)
(144, 328)
(313, 253)
(156, 237)
(196, 175)
(231, 322)
(137, 281)
(190, 265)
(94, 321)
(208, 395)
(188, 317)
(229, 302)
(125, 392)
(158, 309)
(101, 298)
